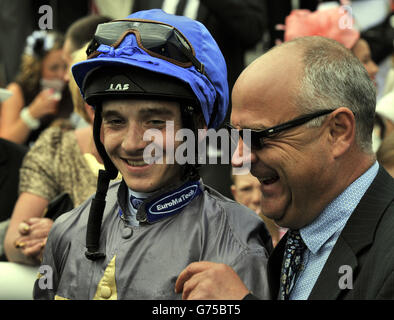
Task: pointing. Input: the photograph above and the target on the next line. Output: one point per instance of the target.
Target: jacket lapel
(275, 266)
(327, 285)
(358, 234)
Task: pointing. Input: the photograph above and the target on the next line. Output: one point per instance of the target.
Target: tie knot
(295, 242)
(295, 238)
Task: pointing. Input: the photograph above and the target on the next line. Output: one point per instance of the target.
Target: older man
(310, 105)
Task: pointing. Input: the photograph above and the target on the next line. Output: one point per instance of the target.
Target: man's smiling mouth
(135, 163)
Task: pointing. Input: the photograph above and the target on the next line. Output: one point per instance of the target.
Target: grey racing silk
(143, 262)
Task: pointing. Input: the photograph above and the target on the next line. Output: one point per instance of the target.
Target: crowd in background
(48, 160)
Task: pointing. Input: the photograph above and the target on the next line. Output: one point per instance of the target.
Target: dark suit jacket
(11, 156)
(366, 244)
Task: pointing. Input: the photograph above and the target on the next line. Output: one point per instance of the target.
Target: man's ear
(342, 131)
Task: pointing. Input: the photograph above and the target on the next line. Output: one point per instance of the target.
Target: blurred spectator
(18, 19)
(78, 34)
(115, 9)
(373, 20)
(385, 154)
(13, 34)
(384, 114)
(362, 51)
(60, 162)
(334, 23)
(11, 156)
(246, 190)
(39, 92)
(337, 24)
(389, 80)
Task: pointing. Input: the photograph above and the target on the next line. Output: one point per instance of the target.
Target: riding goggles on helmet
(158, 39)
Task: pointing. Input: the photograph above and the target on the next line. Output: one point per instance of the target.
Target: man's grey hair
(333, 77)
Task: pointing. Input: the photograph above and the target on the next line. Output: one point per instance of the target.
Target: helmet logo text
(118, 87)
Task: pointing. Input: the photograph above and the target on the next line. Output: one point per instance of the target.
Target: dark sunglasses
(158, 39)
(257, 136)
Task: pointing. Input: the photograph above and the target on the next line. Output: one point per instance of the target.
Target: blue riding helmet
(188, 53)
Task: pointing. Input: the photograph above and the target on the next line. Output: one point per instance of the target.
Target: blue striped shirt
(321, 235)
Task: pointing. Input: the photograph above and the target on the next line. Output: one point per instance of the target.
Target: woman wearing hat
(39, 92)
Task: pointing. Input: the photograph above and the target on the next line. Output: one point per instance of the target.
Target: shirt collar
(334, 217)
(160, 204)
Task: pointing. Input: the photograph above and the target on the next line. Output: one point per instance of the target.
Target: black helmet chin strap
(190, 121)
(98, 203)
(109, 166)
(95, 218)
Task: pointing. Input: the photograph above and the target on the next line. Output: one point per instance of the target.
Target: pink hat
(329, 23)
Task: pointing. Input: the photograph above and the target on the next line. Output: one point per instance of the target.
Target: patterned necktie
(291, 263)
